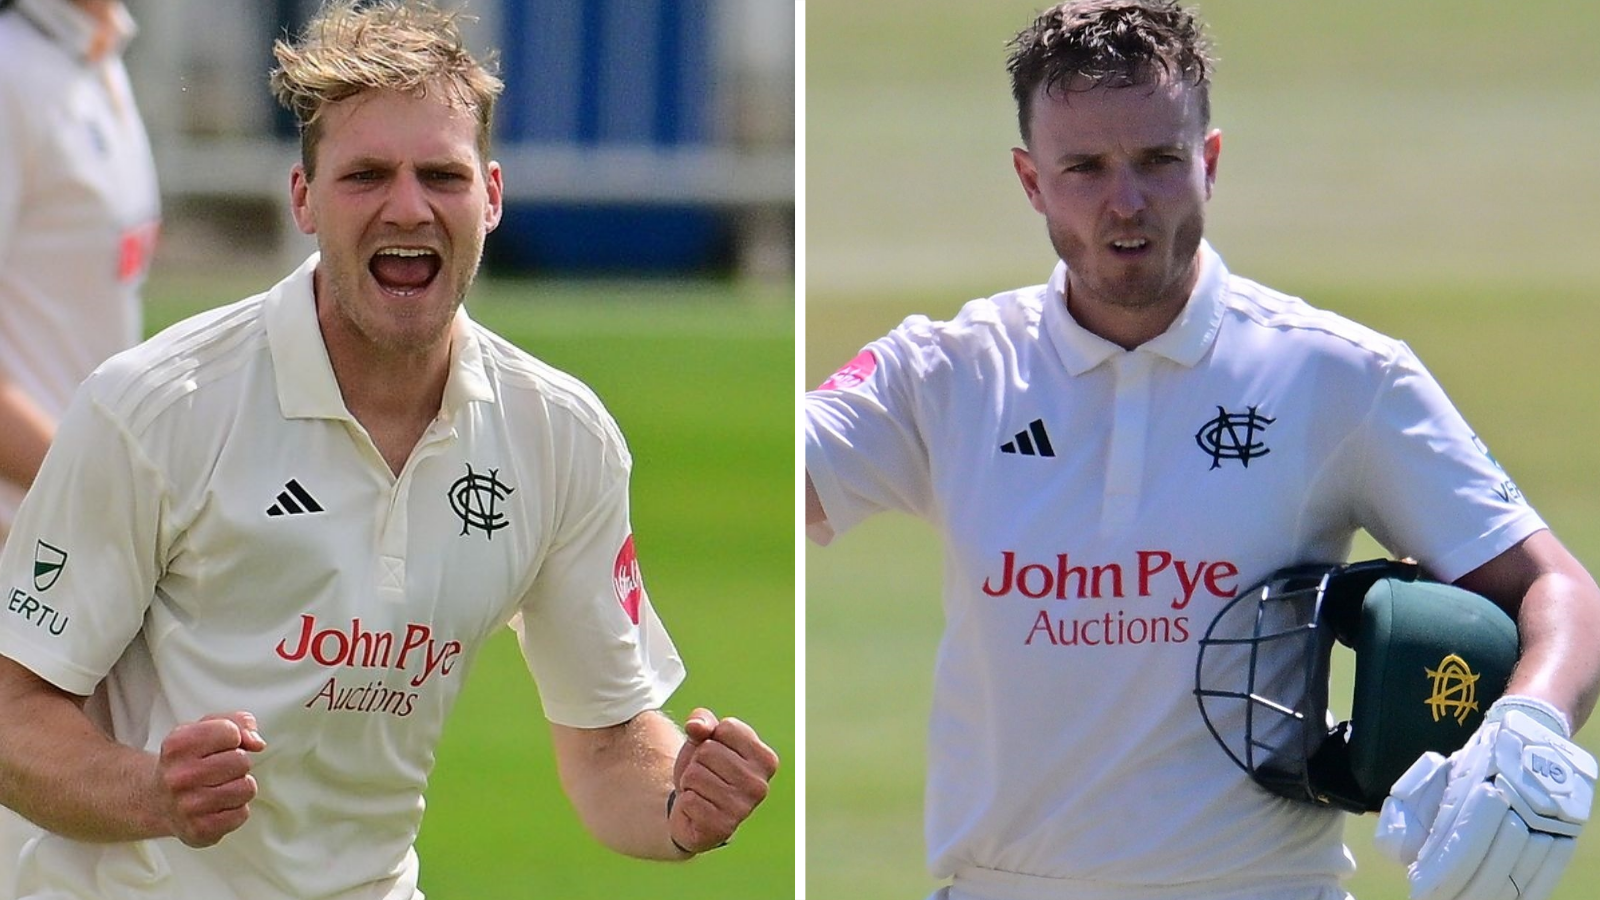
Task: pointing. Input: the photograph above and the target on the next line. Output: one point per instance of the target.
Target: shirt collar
(1184, 342)
(306, 385)
(82, 34)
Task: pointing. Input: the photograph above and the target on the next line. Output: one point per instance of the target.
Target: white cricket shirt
(79, 206)
(1098, 508)
(214, 530)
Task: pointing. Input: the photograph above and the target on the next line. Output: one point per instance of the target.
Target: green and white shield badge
(48, 562)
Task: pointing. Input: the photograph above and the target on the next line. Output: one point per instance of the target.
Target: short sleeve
(590, 637)
(80, 566)
(864, 446)
(1429, 488)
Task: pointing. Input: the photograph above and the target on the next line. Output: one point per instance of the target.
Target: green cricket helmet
(1429, 660)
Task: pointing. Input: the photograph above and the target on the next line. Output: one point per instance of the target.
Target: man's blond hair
(390, 45)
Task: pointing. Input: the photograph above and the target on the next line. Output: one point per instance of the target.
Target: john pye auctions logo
(1152, 574)
(414, 649)
(1060, 579)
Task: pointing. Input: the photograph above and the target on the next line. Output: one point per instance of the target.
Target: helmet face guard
(1430, 659)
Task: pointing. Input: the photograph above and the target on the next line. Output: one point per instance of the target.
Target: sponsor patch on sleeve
(135, 250)
(48, 561)
(628, 580)
(853, 374)
(1507, 489)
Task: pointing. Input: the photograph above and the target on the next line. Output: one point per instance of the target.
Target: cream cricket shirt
(216, 532)
(78, 205)
(1098, 508)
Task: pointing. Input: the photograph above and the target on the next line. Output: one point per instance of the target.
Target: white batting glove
(1497, 819)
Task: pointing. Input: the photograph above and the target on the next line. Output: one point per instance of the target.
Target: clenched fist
(203, 776)
(720, 776)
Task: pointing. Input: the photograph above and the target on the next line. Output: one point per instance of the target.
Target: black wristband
(672, 797)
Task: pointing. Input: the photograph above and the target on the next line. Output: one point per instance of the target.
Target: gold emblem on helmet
(1455, 689)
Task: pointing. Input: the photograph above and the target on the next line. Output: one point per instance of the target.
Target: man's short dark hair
(1116, 43)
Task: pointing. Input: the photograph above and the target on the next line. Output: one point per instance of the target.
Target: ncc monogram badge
(1455, 689)
(1234, 436)
(476, 499)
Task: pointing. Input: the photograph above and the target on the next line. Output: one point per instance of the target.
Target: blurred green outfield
(700, 377)
(1425, 168)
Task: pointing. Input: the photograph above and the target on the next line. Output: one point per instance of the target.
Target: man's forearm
(618, 779)
(1557, 608)
(25, 433)
(1560, 661)
(63, 773)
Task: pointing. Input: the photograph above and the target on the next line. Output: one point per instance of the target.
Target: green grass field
(699, 375)
(1424, 168)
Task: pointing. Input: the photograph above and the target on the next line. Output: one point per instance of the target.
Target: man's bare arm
(815, 514)
(25, 433)
(1556, 605)
(618, 779)
(58, 769)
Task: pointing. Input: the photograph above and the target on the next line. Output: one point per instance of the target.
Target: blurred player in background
(79, 211)
(280, 532)
(1112, 455)
(78, 216)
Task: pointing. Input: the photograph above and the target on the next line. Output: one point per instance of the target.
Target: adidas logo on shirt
(1031, 441)
(294, 501)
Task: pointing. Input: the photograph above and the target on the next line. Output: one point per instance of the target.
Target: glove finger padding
(1543, 882)
(1533, 859)
(1459, 844)
(1506, 851)
(1468, 774)
(1412, 805)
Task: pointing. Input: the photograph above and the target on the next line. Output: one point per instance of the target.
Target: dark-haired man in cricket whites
(1111, 456)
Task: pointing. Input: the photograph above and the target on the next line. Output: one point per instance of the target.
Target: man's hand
(203, 776)
(721, 775)
(1497, 819)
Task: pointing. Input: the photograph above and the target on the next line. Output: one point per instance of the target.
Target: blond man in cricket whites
(279, 533)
